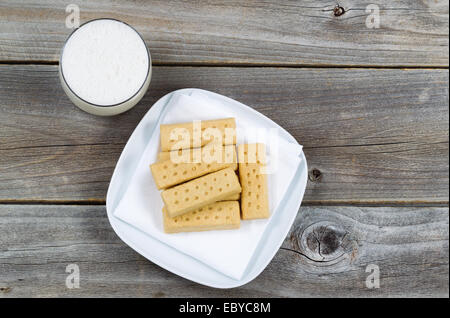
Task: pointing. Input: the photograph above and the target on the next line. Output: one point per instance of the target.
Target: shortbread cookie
(234, 197)
(195, 153)
(165, 155)
(182, 136)
(223, 215)
(200, 192)
(205, 154)
(254, 196)
(168, 173)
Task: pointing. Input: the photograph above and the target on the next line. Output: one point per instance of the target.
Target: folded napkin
(230, 251)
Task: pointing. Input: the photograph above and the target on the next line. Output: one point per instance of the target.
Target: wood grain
(411, 33)
(376, 136)
(325, 254)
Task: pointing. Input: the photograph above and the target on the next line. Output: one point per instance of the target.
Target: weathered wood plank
(325, 254)
(291, 32)
(377, 136)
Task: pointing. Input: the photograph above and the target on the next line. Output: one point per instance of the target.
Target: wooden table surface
(370, 106)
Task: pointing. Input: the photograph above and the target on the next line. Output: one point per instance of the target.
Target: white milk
(105, 63)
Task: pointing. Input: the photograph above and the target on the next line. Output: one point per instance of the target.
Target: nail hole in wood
(5, 289)
(338, 11)
(315, 175)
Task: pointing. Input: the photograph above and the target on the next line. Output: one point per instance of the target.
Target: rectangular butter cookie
(254, 196)
(197, 193)
(168, 173)
(183, 135)
(223, 215)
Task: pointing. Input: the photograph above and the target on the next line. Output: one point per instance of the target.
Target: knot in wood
(325, 242)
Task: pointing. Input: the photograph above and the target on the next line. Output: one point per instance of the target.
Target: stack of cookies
(204, 185)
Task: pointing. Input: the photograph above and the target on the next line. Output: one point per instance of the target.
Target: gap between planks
(307, 203)
(257, 65)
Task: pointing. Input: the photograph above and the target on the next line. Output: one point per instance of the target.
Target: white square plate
(173, 259)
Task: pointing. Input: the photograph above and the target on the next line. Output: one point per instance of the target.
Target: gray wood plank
(411, 33)
(325, 254)
(376, 136)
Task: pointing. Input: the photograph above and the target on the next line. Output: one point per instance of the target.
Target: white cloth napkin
(228, 252)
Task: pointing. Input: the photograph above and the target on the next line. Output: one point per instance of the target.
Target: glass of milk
(105, 67)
